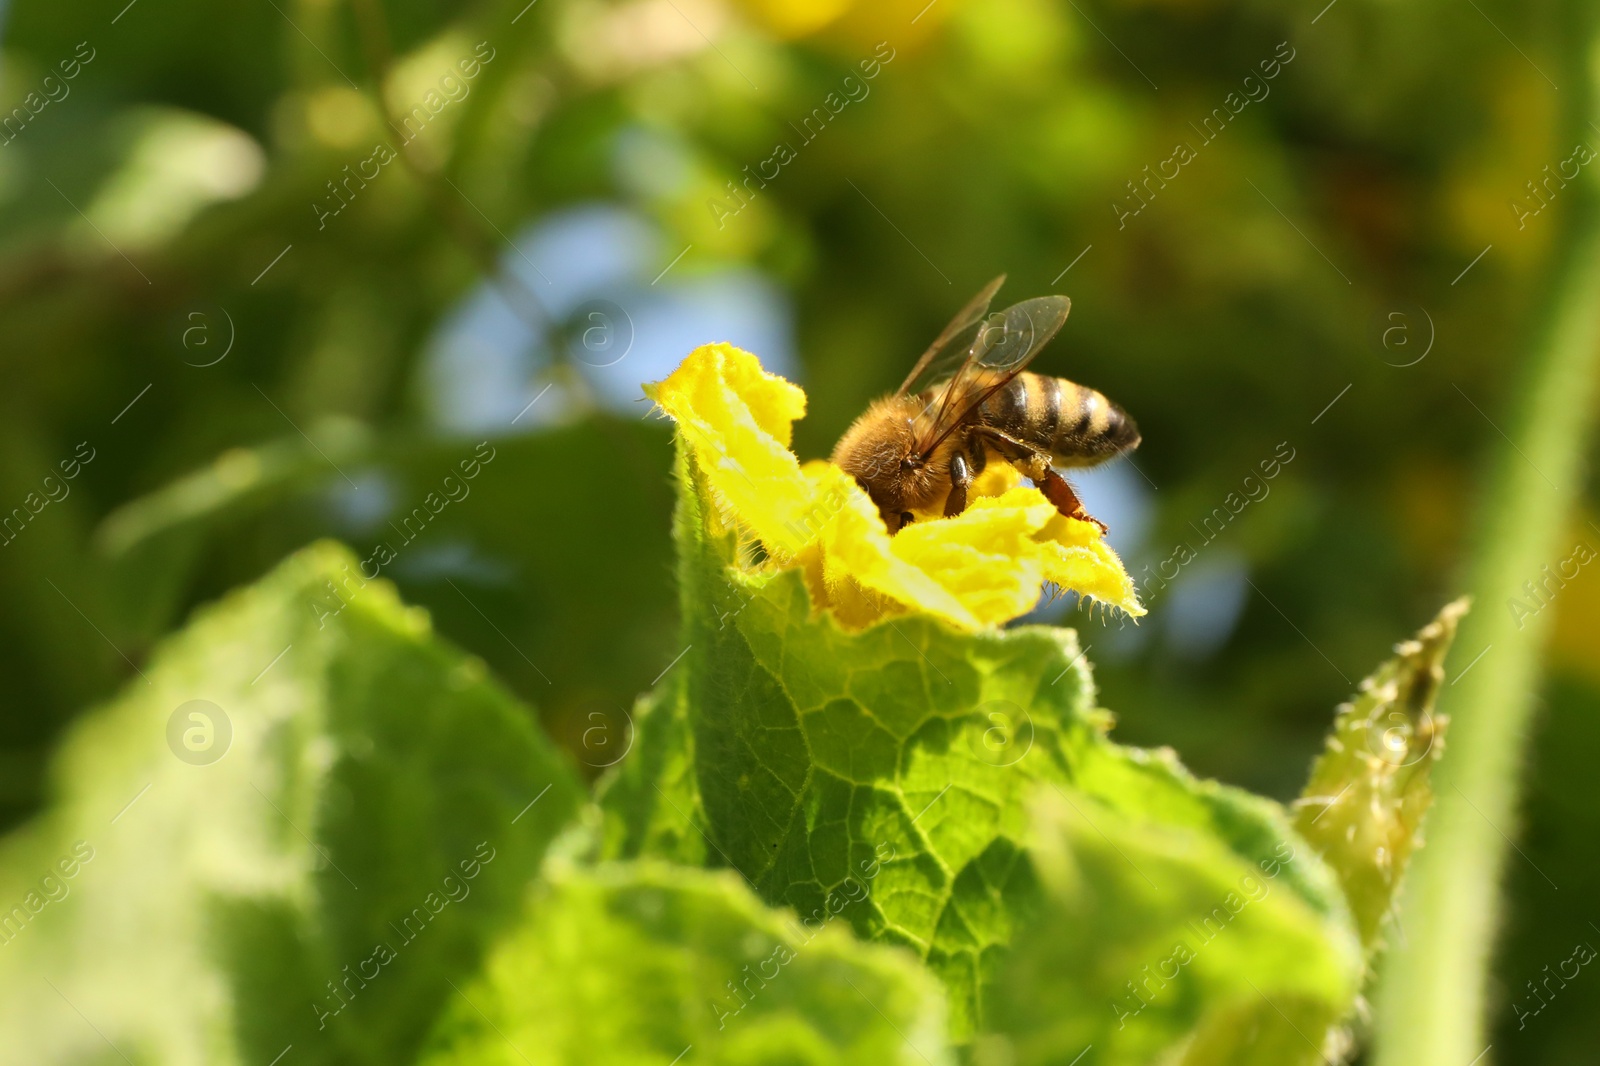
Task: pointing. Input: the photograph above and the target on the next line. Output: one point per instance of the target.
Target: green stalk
(1432, 1000)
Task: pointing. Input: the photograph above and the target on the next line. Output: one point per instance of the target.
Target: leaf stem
(1433, 996)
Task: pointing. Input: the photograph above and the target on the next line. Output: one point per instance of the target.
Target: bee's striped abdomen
(1074, 423)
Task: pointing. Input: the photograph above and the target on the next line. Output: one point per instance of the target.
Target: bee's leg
(960, 481)
(1035, 466)
(1058, 491)
(1024, 457)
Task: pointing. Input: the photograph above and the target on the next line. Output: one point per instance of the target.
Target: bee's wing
(950, 347)
(998, 352)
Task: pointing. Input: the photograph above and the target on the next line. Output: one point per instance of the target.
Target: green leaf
(1161, 944)
(1152, 787)
(912, 751)
(815, 748)
(375, 789)
(649, 803)
(1363, 805)
(626, 964)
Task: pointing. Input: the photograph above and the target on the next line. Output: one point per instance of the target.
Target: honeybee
(969, 400)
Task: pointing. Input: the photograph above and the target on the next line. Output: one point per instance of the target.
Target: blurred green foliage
(244, 853)
(178, 177)
(656, 947)
(1202, 961)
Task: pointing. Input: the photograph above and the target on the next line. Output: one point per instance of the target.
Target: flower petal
(865, 576)
(739, 420)
(1077, 558)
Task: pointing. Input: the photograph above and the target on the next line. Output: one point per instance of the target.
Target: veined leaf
(307, 856)
(886, 775)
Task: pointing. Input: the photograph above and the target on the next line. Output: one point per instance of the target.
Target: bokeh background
(279, 266)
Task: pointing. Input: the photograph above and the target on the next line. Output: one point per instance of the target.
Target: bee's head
(879, 450)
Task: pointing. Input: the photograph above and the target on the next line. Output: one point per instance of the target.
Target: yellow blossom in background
(846, 26)
(980, 568)
(789, 19)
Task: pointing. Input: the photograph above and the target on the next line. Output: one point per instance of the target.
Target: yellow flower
(980, 568)
(850, 26)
